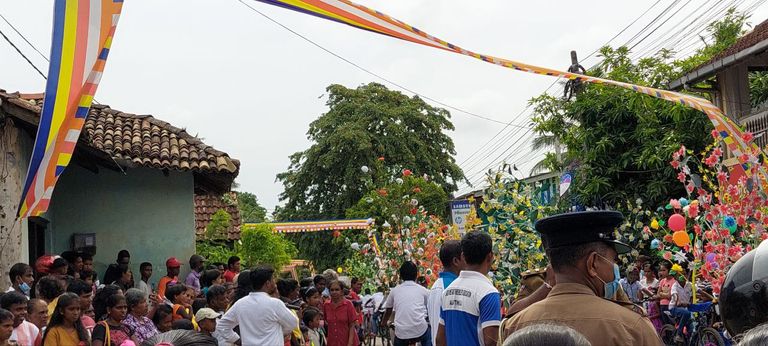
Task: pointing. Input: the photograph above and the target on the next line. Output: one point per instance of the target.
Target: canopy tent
(326, 225)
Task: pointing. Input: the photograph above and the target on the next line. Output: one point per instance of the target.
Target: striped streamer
(82, 37)
(347, 12)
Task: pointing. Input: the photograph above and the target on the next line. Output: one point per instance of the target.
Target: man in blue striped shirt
(471, 307)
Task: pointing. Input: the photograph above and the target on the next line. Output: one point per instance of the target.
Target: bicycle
(702, 335)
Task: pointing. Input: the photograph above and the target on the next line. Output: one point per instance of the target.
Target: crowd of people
(580, 299)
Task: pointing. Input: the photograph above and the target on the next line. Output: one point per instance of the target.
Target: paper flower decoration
(365, 169)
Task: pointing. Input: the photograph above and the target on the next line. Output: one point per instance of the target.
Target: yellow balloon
(339, 270)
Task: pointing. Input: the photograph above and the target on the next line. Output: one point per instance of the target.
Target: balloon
(683, 202)
(681, 238)
(365, 169)
(654, 244)
(710, 257)
(655, 224)
(677, 222)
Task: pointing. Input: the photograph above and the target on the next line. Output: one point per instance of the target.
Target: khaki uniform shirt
(601, 321)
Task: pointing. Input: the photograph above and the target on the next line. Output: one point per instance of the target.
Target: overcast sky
(250, 88)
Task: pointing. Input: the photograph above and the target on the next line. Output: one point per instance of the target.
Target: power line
(22, 55)
(361, 68)
(24, 38)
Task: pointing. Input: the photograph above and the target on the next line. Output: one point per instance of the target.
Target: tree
(250, 209)
(620, 142)
(259, 244)
(361, 127)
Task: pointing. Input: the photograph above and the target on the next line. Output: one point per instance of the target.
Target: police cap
(570, 229)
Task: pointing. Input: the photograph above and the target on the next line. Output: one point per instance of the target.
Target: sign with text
(459, 212)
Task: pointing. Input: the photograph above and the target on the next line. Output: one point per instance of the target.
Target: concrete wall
(15, 150)
(145, 212)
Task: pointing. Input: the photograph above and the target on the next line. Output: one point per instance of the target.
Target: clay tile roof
(208, 204)
(757, 35)
(142, 140)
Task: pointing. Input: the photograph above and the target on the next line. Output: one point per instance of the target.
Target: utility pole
(573, 87)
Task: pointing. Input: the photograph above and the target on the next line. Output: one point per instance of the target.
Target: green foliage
(618, 140)
(214, 252)
(259, 244)
(217, 228)
(250, 209)
(758, 88)
(508, 213)
(323, 249)
(361, 125)
(381, 203)
(723, 33)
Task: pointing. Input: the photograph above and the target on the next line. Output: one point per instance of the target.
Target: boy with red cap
(172, 265)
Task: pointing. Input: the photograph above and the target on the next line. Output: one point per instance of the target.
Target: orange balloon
(681, 238)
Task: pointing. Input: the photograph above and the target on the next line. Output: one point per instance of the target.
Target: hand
(154, 299)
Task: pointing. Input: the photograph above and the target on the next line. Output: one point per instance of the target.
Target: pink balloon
(676, 222)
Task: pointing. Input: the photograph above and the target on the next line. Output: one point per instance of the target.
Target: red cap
(172, 263)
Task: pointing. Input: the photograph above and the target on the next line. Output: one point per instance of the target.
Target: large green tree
(618, 141)
(250, 209)
(361, 126)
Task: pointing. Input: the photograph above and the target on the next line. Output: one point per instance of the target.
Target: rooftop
(208, 204)
(751, 44)
(129, 140)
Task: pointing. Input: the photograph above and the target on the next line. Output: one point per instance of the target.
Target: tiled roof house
(135, 182)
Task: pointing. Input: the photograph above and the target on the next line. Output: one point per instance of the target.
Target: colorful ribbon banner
(316, 226)
(82, 36)
(347, 12)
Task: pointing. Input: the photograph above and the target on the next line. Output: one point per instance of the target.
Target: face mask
(25, 288)
(610, 288)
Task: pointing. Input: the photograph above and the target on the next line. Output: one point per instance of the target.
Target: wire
(660, 25)
(22, 55)
(361, 68)
(24, 38)
(622, 30)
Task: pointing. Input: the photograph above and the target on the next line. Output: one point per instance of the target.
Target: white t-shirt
(409, 301)
(680, 294)
(644, 283)
(377, 298)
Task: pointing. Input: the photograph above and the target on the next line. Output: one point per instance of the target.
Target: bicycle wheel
(709, 337)
(667, 334)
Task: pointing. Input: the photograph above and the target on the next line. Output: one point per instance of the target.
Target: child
(6, 327)
(163, 318)
(311, 319)
(65, 327)
(206, 319)
(654, 312)
(111, 332)
(177, 295)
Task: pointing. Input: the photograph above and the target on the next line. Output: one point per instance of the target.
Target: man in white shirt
(409, 302)
(450, 256)
(263, 320)
(678, 305)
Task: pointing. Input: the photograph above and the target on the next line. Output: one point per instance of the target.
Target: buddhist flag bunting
(82, 36)
(348, 12)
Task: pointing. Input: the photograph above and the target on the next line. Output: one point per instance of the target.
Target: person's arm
(490, 317)
(440, 339)
(226, 325)
(99, 335)
(537, 295)
(288, 321)
(385, 319)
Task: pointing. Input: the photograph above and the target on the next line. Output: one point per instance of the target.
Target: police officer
(583, 251)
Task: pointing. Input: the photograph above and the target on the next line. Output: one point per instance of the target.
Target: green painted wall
(145, 212)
